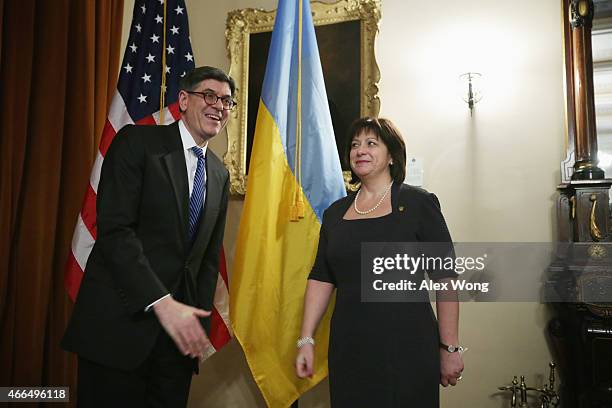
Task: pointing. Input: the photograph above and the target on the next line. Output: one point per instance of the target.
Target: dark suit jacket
(142, 250)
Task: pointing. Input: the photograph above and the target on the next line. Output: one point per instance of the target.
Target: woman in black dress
(381, 354)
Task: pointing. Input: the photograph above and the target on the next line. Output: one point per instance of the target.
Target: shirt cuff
(153, 304)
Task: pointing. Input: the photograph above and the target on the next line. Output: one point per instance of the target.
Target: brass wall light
(473, 81)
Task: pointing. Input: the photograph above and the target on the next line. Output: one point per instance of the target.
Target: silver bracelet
(302, 341)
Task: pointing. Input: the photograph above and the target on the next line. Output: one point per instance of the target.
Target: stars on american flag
(140, 80)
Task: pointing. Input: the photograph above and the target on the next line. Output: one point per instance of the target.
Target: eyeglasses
(211, 99)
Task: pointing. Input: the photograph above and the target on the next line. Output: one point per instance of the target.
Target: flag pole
(162, 95)
(298, 133)
(297, 206)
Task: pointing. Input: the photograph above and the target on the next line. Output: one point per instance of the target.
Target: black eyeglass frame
(205, 95)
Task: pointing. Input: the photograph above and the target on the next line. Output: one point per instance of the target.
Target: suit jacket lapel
(174, 161)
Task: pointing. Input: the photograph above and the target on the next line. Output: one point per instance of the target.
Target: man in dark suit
(140, 319)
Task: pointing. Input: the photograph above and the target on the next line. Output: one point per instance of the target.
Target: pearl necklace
(358, 211)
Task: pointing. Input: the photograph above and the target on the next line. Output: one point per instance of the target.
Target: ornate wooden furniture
(580, 279)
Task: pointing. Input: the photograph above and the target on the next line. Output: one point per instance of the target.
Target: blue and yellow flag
(294, 175)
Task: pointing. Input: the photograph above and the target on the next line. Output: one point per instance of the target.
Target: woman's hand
(304, 362)
(451, 367)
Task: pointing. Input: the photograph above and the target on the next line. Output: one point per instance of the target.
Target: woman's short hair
(386, 131)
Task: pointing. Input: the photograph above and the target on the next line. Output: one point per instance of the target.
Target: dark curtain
(59, 61)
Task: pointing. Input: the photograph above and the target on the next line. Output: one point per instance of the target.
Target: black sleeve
(117, 204)
(320, 270)
(433, 229)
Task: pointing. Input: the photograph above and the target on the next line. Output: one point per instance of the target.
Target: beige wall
(495, 172)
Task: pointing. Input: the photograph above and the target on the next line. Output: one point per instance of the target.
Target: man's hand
(304, 362)
(181, 323)
(451, 367)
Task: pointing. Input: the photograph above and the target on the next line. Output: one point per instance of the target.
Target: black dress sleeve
(320, 270)
(433, 229)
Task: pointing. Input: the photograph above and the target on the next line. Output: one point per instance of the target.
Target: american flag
(138, 100)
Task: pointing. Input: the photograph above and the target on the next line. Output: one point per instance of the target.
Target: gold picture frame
(243, 23)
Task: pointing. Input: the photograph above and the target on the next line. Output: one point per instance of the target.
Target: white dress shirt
(191, 160)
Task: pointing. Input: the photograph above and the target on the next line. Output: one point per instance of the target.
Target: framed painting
(345, 30)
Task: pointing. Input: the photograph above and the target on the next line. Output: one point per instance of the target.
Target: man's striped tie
(197, 195)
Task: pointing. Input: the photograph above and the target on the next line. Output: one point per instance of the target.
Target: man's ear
(182, 100)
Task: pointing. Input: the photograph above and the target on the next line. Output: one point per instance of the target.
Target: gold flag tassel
(297, 206)
(162, 91)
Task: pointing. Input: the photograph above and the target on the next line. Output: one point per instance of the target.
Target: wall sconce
(474, 91)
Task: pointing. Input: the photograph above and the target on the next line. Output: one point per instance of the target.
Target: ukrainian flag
(294, 175)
